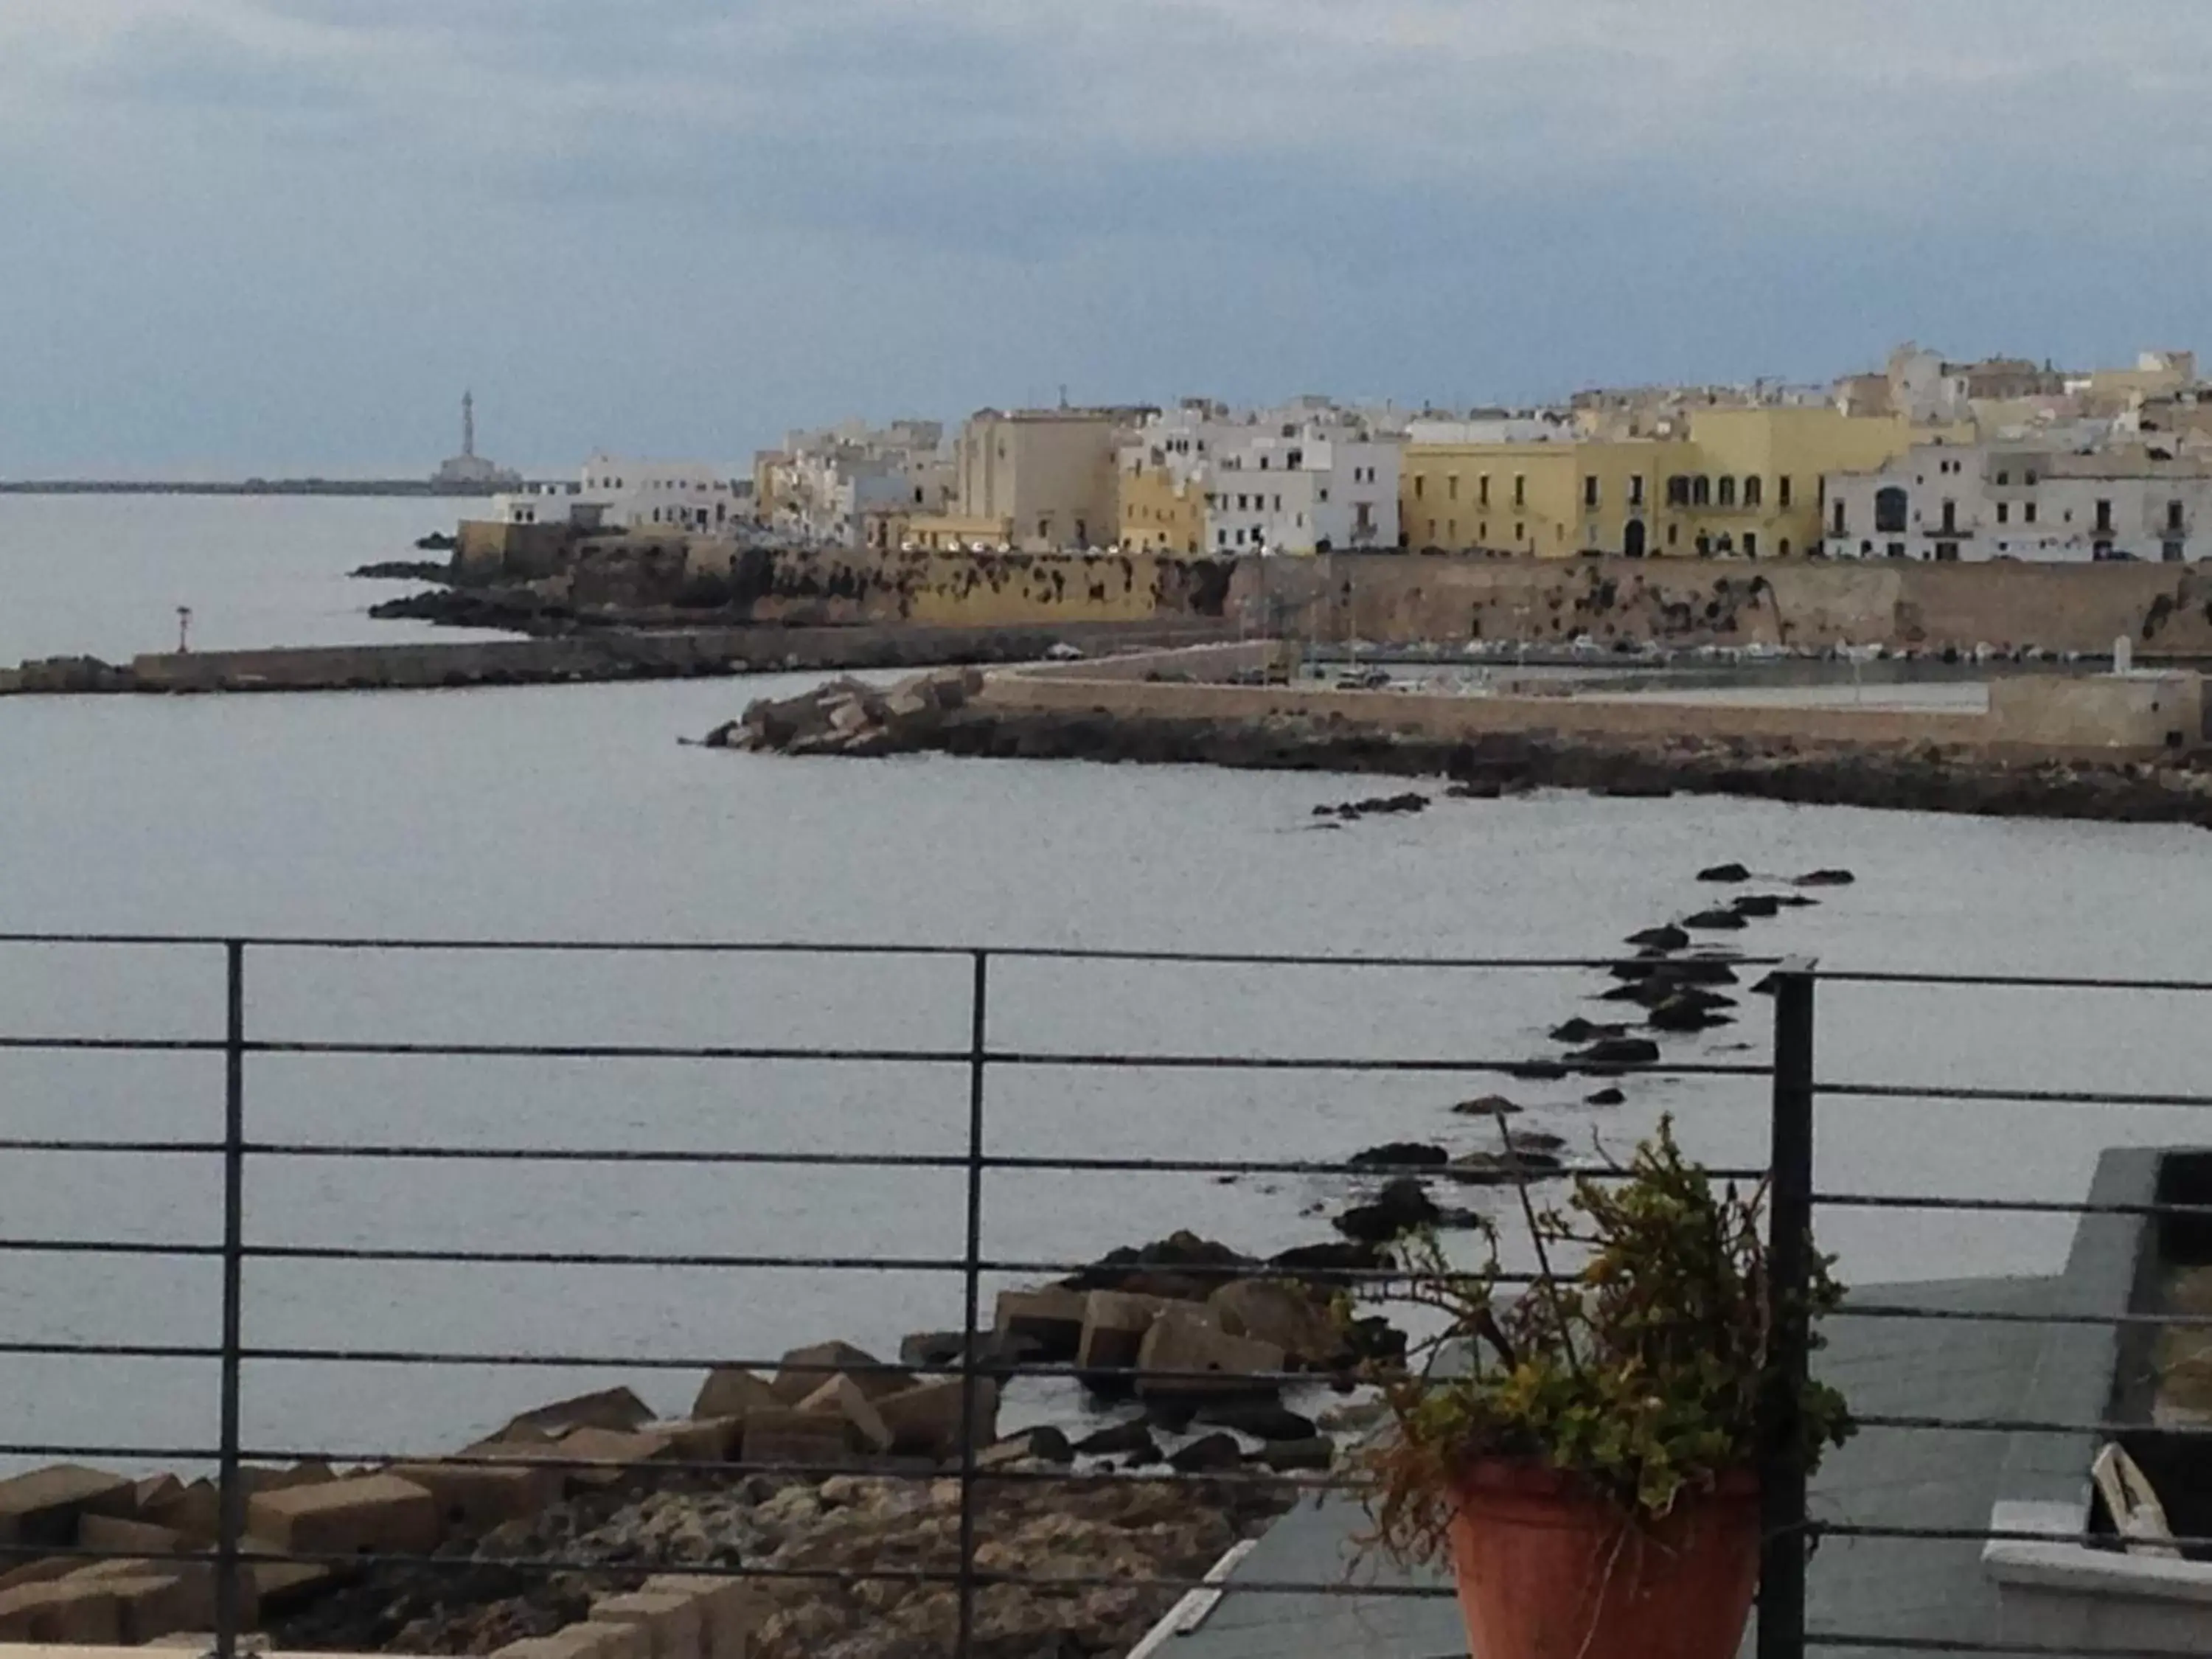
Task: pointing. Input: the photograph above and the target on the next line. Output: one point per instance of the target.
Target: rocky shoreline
(943, 713)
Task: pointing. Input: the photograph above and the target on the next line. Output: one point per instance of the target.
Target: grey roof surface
(1887, 1366)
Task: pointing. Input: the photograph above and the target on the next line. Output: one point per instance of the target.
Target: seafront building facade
(623, 493)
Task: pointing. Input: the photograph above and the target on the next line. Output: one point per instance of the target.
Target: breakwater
(605, 656)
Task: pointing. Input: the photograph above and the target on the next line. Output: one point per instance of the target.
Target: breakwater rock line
(952, 713)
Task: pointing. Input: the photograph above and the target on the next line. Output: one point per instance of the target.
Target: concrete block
(1051, 1320)
(374, 1514)
(843, 1397)
(473, 1498)
(804, 1370)
(614, 1409)
(152, 1604)
(1183, 1353)
(189, 1604)
(77, 1611)
(699, 1439)
(261, 1477)
(134, 1538)
(672, 1621)
(732, 1391)
(610, 1455)
(789, 1436)
(159, 1490)
(731, 1610)
(1114, 1327)
(195, 1510)
(926, 1421)
(43, 1507)
(280, 1586)
(593, 1638)
(37, 1572)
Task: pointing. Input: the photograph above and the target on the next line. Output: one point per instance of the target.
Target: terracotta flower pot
(1548, 1570)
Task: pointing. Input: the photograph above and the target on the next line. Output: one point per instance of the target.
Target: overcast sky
(283, 235)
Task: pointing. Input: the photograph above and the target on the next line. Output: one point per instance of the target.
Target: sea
(568, 815)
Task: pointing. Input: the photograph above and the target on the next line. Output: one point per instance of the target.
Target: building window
(1889, 506)
(2104, 516)
(1636, 490)
(2003, 478)
(1754, 491)
(1701, 491)
(2031, 475)
(1452, 487)
(1519, 489)
(1840, 518)
(2004, 512)
(1420, 487)
(1323, 493)
(1482, 531)
(1482, 490)
(1950, 517)
(1673, 534)
(2173, 515)
(1263, 464)
(1727, 492)
(1589, 492)
(1520, 532)
(1451, 529)
(1751, 544)
(2027, 511)
(1784, 549)
(1678, 491)
(1782, 489)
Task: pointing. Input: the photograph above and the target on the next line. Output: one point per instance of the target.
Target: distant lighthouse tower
(468, 473)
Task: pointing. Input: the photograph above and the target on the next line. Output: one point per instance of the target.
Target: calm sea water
(572, 812)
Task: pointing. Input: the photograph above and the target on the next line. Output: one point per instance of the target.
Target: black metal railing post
(971, 1337)
(1789, 1266)
(231, 1524)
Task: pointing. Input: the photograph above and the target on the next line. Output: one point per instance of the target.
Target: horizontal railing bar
(2002, 981)
(2026, 1425)
(115, 1045)
(129, 1453)
(111, 1350)
(655, 1362)
(609, 1051)
(2022, 1316)
(104, 1246)
(133, 1148)
(2003, 1650)
(2002, 1205)
(2006, 1096)
(1992, 1535)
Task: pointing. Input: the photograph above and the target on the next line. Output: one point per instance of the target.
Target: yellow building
(1049, 473)
(1740, 481)
(1160, 514)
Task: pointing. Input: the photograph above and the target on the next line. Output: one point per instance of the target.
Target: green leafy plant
(1636, 1367)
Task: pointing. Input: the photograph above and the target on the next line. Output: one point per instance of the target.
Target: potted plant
(1586, 1461)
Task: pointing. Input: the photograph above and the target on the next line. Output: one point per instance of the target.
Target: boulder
(1543, 1070)
(1182, 1266)
(1049, 1321)
(841, 1397)
(1669, 938)
(1400, 1155)
(1487, 1106)
(608, 1457)
(1288, 1315)
(669, 1620)
(195, 1510)
(1503, 1169)
(473, 1499)
(1686, 1014)
(1725, 873)
(1618, 1051)
(1186, 1355)
(1261, 1419)
(788, 1437)
(1825, 878)
(1606, 1097)
(370, 1514)
(1114, 1327)
(43, 1507)
(925, 1421)
(1716, 921)
(1401, 1207)
(1757, 905)
(157, 1491)
(732, 1391)
(1697, 970)
(698, 1439)
(115, 1536)
(617, 1409)
(1132, 1440)
(804, 1370)
(1579, 1030)
(1042, 1445)
(1207, 1453)
(995, 1350)
(1316, 1454)
(77, 1611)
(731, 1610)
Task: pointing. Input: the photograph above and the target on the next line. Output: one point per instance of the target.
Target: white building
(1980, 502)
(1303, 478)
(819, 489)
(616, 493)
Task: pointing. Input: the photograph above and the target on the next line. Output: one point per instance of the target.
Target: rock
(1400, 1155)
(1618, 1051)
(1185, 1355)
(1503, 1169)
(1686, 1013)
(1582, 1031)
(1697, 970)
(1539, 1070)
(1631, 972)
(1489, 1106)
(606, 1457)
(1725, 873)
(1328, 1264)
(1209, 1452)
(1401, 1207)
(1477, 789)
(996, 1351)
(1114, 1327)
(1669, 938)
(43, 1507)
(1042, 1445)
(1263, 1419)
(671, 1621)
(789, 1437)
(1825, 878)
(1373, 1337)
(1409, 802)
(925, 1421)
(1132, 1439)
(1316, 1454)
(1795, 901)
(843, 1397)
(732, 1391)
(195, 1510)
(804, 1370)
(1536, 1140)
(610, 1408)
(77, 1612)
(156, 1491)
(379, 1514)
(1757, 905)
(1606, 1097)
(1286, 1315)
(1182, 1267)
(473, 1499)
(1716, 921)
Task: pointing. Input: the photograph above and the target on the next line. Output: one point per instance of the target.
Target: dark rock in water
(1477, 789)
(1449, 1220)
(1539, 1070)
(437, 541)
(1686, 1013)
(1618, 1051)
(1606, 1098)
(1725, 873)
(1374, 1338)
(1409, 802)
(1399, 1207)
(1825, 878)
(1637, 789)
(1044, 1442)
(1318, 1262)
(1626, 993)
(1487, 1106)
(1699, 970)
(1400, 1155)
(1536, 1140)
(1757, 905)
(1579, 1030)
(1633, 971)
(1263, 1419)
(994, 1350)
(1716, 921)
(1695, 996)
(1795, 901)
(1669, 938)
(1132, 1439)
(1213, 1451)
(1184, 1267)
(1502, 1168)
(1294, 1456)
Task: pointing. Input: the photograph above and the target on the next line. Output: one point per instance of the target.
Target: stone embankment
(952, 713)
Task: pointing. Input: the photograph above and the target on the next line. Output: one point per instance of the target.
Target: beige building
(1048, 476)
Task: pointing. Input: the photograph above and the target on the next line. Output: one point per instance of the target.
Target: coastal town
(1924, 459)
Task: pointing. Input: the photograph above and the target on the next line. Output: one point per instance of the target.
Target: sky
(282, 235)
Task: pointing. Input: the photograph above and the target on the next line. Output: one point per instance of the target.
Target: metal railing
(1788, 1527)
